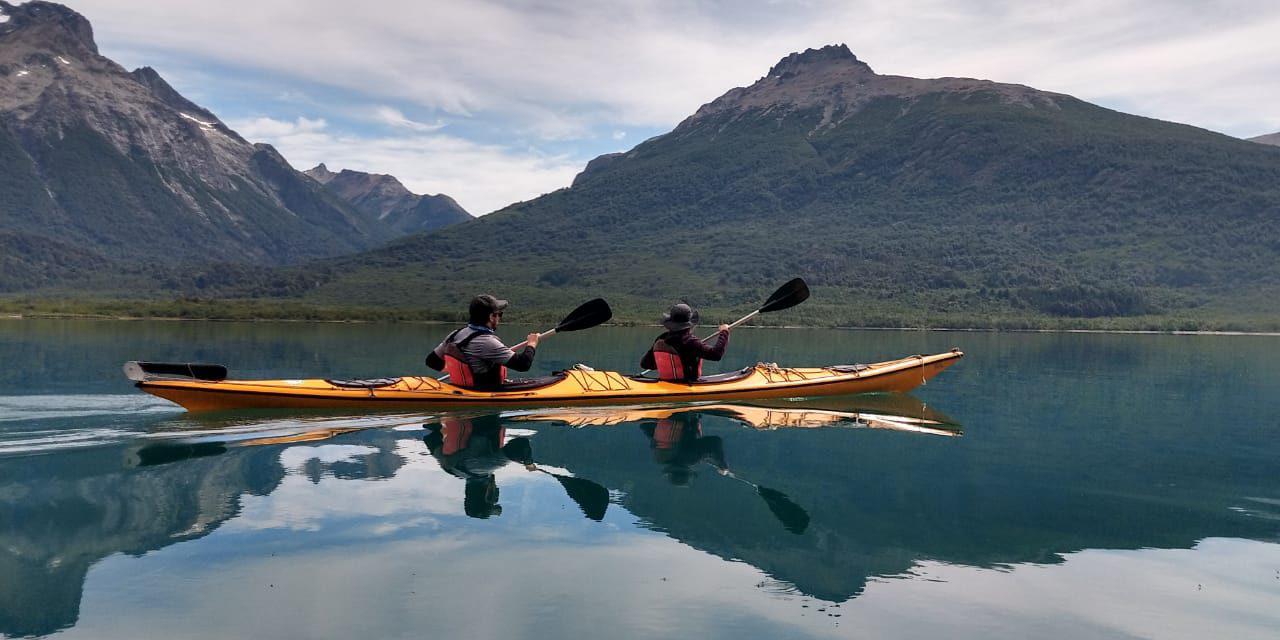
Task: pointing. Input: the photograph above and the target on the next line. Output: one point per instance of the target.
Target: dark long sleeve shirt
(691, 349)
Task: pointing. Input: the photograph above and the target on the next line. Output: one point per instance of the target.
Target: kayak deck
(572, 387)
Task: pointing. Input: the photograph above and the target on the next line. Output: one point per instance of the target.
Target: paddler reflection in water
(678, 445)
(473, 449)
(473, 356)
(677, 354)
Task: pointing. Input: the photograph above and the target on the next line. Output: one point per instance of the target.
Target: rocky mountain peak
(833, 58)
(149, 78)
(832, 81)
(46, 26)
(380, 183)
(320, 173)
(385, 198)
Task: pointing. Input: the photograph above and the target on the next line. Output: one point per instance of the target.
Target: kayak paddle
(139, 371)
(592, 498)
(792, 516)
(589, 314)
(788, 295)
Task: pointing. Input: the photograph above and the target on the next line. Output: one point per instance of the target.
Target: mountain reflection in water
(821, 497)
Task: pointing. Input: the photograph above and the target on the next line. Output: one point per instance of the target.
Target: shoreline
(101, 317)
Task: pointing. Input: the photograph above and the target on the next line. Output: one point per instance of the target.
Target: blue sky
(496, 102)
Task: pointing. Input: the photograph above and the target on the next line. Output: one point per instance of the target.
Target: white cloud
(563, 76)
(562, 69)
(618, 135)
(394, 117)
(481, 177)
(258, 129)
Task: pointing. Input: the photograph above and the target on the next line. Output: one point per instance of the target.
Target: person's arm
(714, 351)
(435, 359)
(522, 361)
(490, 349)
(648, 361)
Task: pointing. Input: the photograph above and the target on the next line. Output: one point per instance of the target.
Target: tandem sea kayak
(204, 387)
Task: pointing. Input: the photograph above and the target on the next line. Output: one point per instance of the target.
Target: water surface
(1049, 485)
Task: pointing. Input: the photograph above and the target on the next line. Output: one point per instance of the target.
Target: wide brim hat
(680, 317)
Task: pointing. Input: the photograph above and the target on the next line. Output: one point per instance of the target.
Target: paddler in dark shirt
(678, 445)
(473, 356)
(677, 355)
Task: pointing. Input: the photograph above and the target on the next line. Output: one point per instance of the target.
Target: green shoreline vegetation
(819, 317)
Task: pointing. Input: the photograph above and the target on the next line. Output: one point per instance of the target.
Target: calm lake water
(1048, 486)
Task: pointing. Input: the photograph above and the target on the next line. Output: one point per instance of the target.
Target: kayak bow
(577, 386)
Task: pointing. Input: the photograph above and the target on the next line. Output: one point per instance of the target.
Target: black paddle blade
(592, 498)
(140, 371)
(787, 296)
(792, 516)
(590, 314)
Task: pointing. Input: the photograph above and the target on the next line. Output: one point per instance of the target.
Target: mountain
(107, 164)
(1270, 138)
(899, 199)
(384, 198)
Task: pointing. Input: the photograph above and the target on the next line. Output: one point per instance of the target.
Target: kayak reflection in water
(677, 354)
(678, 445)
(473, 449)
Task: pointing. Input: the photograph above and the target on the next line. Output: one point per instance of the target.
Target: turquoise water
(1049, 485)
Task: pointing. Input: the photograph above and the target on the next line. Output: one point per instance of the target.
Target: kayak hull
(577, 388)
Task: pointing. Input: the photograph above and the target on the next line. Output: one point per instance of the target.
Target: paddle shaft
(735, 323)
(540, 336)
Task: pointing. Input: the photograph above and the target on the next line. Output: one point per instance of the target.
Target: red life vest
(670, 364)
(460, 373)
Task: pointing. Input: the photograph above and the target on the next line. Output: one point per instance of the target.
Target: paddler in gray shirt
(474, 356)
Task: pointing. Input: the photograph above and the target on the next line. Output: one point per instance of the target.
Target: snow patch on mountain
(207, 125)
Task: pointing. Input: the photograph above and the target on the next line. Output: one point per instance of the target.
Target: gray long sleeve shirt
(485, 352)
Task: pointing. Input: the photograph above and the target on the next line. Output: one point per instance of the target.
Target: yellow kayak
(204, 387)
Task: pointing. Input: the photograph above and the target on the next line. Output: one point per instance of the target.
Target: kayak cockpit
(719, 378)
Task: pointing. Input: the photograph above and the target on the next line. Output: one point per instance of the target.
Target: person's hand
(533, 339)
(724, 328)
